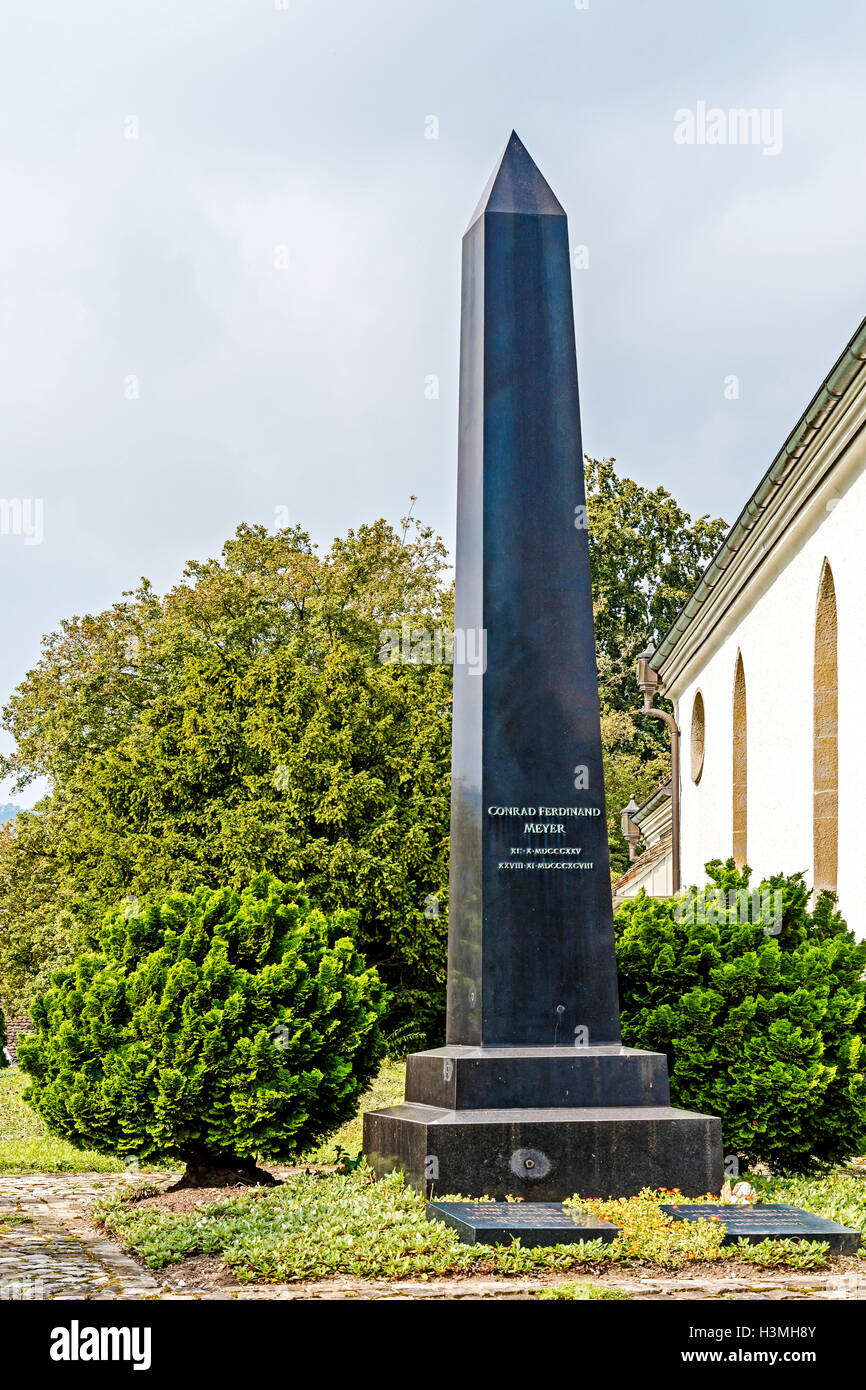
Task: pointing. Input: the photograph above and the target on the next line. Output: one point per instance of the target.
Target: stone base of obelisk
(543, 1124)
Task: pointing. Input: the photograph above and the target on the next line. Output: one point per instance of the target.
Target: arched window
(698, 733)
(825, 738)
(739, 770)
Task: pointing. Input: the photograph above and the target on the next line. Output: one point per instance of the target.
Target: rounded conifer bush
(758, 1002)
(215, 1028)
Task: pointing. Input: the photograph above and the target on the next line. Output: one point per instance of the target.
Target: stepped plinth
(543, 1124)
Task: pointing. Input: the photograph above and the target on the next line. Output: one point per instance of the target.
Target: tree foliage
(634, 765)
(762, 1019)
(646, 555)
(242, 724)
(215, 1027)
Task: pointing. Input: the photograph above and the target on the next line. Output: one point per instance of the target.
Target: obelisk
(533, 1094)
(531, 953)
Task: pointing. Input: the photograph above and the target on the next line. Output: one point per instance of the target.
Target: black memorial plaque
(770, 1221)
(533, 1223)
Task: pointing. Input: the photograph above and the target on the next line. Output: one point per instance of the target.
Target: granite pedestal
(543, 1124)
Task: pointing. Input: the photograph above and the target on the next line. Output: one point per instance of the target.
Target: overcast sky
(230, 257)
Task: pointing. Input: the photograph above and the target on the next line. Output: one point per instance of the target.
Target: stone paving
(58, 1254)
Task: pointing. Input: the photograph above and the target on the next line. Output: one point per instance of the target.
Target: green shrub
(762, 1021)
(27, 1147)
(214, 1027)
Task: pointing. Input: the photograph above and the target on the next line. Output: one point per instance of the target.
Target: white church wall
(775, 629)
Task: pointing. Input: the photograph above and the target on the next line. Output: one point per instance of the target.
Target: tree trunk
(223, 1170)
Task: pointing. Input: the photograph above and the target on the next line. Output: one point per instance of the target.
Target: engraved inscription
(549, 825)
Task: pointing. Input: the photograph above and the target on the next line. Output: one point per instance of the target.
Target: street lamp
(647, 677)
(631, 832)
(648, 681)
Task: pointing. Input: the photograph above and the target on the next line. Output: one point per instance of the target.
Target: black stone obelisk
(533, 1094)
(531, 953)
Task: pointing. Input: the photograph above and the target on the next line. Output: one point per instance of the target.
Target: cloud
(320, 277)
(45, 320)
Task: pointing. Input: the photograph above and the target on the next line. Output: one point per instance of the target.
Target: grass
(586, 1292)
(320, 1225)
(387, 1089)
(27, 1147)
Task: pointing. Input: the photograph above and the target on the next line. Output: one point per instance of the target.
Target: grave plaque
(770, 1221)
(533, 1094)
(534, 1223)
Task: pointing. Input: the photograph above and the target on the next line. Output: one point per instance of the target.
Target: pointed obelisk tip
(517, 185)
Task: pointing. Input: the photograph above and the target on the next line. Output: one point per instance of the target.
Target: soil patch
(198, 1272)
(208, 1174)
(701, 1270)
(182, 1200)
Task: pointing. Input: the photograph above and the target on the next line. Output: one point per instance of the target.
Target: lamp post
(631, 832)
(648, 681)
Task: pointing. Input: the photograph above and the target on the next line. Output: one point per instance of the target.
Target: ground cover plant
(587, 1293)
(323, 1224)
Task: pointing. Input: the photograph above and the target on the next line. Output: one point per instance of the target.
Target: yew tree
(760, 1012)
(216, 1028)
